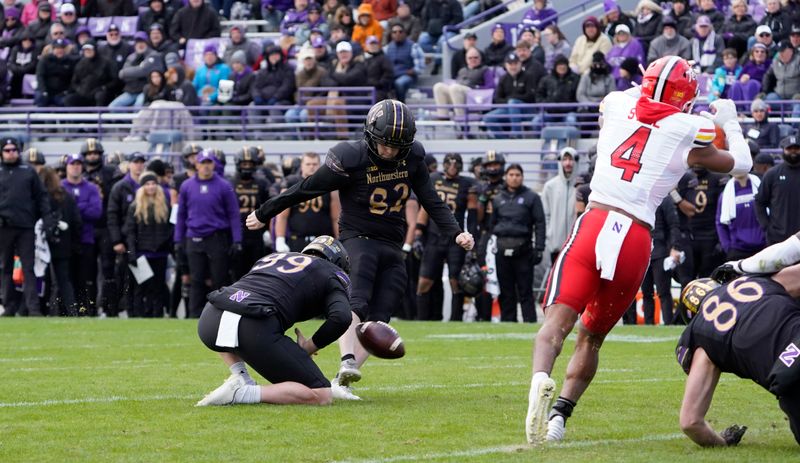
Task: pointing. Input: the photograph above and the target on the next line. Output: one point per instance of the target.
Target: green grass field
(86, 390)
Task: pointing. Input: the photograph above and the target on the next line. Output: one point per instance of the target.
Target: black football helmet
(34, 157)
(471, 278)
(390, 123)
(91, 145)
(219, 154)
(693, 294)
(454, 157)
(188, 150)
(330, 249)
(493, 157)
(115, 158)
(247, 154)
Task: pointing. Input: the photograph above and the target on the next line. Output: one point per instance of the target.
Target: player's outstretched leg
(540, 398)
(348, 370)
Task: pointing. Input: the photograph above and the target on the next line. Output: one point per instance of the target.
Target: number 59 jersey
(642, 151)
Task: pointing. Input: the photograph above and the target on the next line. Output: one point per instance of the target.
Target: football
(380, 340)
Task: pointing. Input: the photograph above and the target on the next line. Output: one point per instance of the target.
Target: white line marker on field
(517, 449)
(94, 400)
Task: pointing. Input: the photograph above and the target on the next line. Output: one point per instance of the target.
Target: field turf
(89, 390)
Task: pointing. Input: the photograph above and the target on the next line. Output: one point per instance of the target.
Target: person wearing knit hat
(767, 134)
(243, 77)
(591, 41)
(239, 41)
(92, 77)
(159, 41)
(209, 74)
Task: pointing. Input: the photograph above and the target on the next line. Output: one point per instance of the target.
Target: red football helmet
(671, 80)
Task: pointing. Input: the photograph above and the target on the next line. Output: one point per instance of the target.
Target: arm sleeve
(95, 210)
(434, 206)
(42, 201)
(763, 199)
(337, 315)
(232, 208)
(539, 223)
(323, 181)
(673, 224)
(130, 229)
(180, 225)
(113, 218)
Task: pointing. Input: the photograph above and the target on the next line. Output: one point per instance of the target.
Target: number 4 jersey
(642, 151)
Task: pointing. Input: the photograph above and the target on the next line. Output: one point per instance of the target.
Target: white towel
(41, 250)
(228, 333)
(492, 285)
(609, 242)
(727, 210)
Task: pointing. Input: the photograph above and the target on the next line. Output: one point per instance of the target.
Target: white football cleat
(556, 428)
(224, 394)
(348, 373)
(540, 399)
(340, 392)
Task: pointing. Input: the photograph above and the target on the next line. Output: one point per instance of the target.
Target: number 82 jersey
(642, 151)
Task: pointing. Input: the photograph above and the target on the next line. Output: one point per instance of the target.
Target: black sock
(348, 357)
(562, 407)
(457, 307)
(424, 306)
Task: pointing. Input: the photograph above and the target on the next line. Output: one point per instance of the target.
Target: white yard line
(517, 449)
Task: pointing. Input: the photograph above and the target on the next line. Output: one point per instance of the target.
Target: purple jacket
(205, 207)
(87, 197)
(618, 54)
(536, 18)
(293, 20)
(756, 71)
(744, 232)
(280, 5)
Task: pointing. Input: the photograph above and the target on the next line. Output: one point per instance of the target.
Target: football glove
(727, 272)
(733, 434)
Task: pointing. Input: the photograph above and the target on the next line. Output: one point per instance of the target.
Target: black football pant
(149, 298)
(433, 259)
(657, 276)
(206, 256)
(515, 277)
(378, 276)
(791, 406)
(83, 271)
(252, 250)
(113, 287)
(64, 301)
(707, 256)
(18, 242)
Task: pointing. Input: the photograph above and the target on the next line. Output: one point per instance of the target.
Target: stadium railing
(327, 115)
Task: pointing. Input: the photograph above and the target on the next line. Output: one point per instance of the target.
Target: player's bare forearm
(700, 385)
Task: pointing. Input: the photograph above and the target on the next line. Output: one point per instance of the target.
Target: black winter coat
(91, 75)
(380, 74)
(242, 89)
(63, 242)
(354, 76)
(439, 13)
(519, 214)
(150, 17)
(54, 75)
(666, 232)
(522, 87)
(102, 8)
(23, 199)
(195, 23)
(741, 29)
(23, 61)
(274, 83)
(121, 198)
(150, 237)
(558, 89)
(495, 54)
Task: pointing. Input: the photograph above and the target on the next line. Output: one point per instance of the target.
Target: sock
(424, 306)
(347, 357)
(250, 394)
(562, 407)
(457, 307)
(539, 376)
(239, 368)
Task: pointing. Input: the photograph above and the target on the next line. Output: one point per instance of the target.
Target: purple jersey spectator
(539, 16)
(624, 47)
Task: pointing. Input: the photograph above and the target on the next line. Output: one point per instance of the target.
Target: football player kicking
(766, 261)
(245, 323)
(646, 144)
(749, 327)
(375, 177)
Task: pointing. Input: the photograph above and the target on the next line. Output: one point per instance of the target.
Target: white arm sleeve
(773, 258)
(737, 146)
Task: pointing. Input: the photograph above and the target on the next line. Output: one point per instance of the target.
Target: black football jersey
(296, 286)
(743, 326)
(686, 188)
(706, 196)
(312, 217)
(454, 192)
(486, 194)
(250, 194)
(373, 198)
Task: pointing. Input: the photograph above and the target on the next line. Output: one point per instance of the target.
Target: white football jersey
(638, 164)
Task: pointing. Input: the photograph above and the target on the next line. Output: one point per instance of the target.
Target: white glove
(63, 226)
(724, 113)
(280, 244)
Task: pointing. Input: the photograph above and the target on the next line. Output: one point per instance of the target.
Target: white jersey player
(645, 145)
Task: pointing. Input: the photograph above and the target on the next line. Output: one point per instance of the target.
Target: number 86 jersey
(642, 151)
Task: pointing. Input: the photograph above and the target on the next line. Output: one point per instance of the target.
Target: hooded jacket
(439, 13)
(23, 199)
(274, 83)
(558, 201)
(558, 89)
(242, 87)
(91, 75)
(183, 91)
(250, 48)
(209, 77)
(150, 17)
(54, 75)
(102, 8)
(380, 74)
(137, 68)
(783, 79)
(195, 23)
(382, 9)
(582, 50)
(23, 61)
(360, 33)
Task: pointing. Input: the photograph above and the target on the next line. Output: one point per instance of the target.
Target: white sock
(249, 394)
(539, 376)
(773, 258)
(239, 368)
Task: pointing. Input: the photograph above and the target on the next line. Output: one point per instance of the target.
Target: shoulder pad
(346, 156)
(417, 150)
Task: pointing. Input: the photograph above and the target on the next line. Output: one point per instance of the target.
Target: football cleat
(348, 373)
(556, 428)
(340, 392)
(540, 399)
(224, 394)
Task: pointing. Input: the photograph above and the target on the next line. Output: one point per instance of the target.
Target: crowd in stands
(741, 50)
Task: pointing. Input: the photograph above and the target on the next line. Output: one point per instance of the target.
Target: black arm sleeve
(323, 181)
(763, 200)
(434, 206)
(337, 315)
(42, 201)
(472, 221)
(539, 223)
